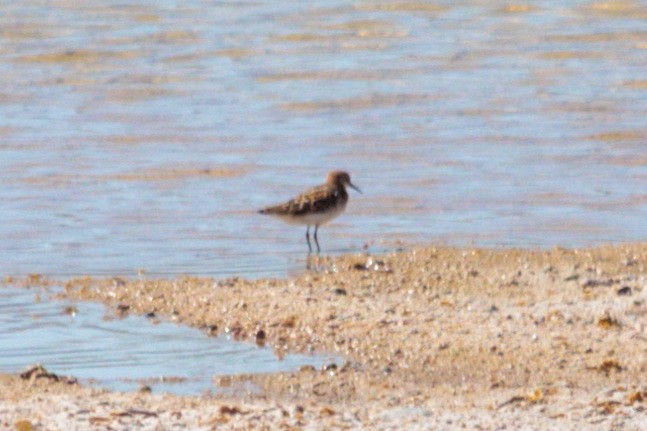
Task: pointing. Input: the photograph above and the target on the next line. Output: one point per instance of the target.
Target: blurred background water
(145, 134)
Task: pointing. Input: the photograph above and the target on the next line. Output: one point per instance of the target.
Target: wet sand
(431, 338)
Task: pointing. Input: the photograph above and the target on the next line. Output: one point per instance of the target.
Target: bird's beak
(353, 186)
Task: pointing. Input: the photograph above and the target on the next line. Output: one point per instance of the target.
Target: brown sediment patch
(567, 55)
(172, 174)
(337, 39)
(126, 80)
(629, 160)
(234, 53)
(166, 138)
(628, 202)
(5, 131)
(553, 197)
(427, 335)
(636, 36)
(423, 7)
(147, 18)
(638, 84)
(170, 37)
(619, 8)
(368, 28)
(620, 135)
(340, 75)
(377, 100)
(155, 174)
(518, 8)
(25, 31)
(237, 52)
(78, 56)
(139, 94)
(343, 46)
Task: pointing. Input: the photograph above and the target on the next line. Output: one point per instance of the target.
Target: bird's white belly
(316, 219)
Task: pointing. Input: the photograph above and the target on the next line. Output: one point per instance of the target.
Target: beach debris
(327, 411)
(23, 425)
(118, 282)
(260, 338)
(71, 310)
(637, 397)
(329, 367)
(211, 330)
(533, 398)
(289, 322)
(226, 410)
(39, 372)
(98, 420)
(122, 309)
(134, 412)
(608, 407)
(374, 265)
(608, 322)
(236, 330)
(624, 291)
(597, 283)
(607, 366)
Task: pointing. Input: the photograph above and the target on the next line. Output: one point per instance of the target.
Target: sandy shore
(432, 338)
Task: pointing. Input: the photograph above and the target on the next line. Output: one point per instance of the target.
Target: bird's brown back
(318, 199)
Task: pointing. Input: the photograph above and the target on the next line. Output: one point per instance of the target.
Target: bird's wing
(315, 200)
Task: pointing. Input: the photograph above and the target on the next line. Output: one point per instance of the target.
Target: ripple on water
(145, 136)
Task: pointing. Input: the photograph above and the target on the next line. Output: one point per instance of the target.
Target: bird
(315, 206)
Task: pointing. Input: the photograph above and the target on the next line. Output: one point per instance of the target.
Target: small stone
(329, 367)
(299, 409)
(260, 338)
(71, 310)
(212, 330)
(226, 410)
(122, 308)
(340, 291)
(625, 291)
(596, 283)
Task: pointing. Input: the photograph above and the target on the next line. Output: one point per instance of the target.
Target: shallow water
(124, 353)
(143, 135)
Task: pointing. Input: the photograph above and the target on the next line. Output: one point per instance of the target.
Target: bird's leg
(308, 239)
(316, 240)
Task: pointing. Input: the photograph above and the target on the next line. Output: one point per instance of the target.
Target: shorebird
(316, 206)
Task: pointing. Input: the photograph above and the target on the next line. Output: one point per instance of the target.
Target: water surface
(144, 135)
(124, 352)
